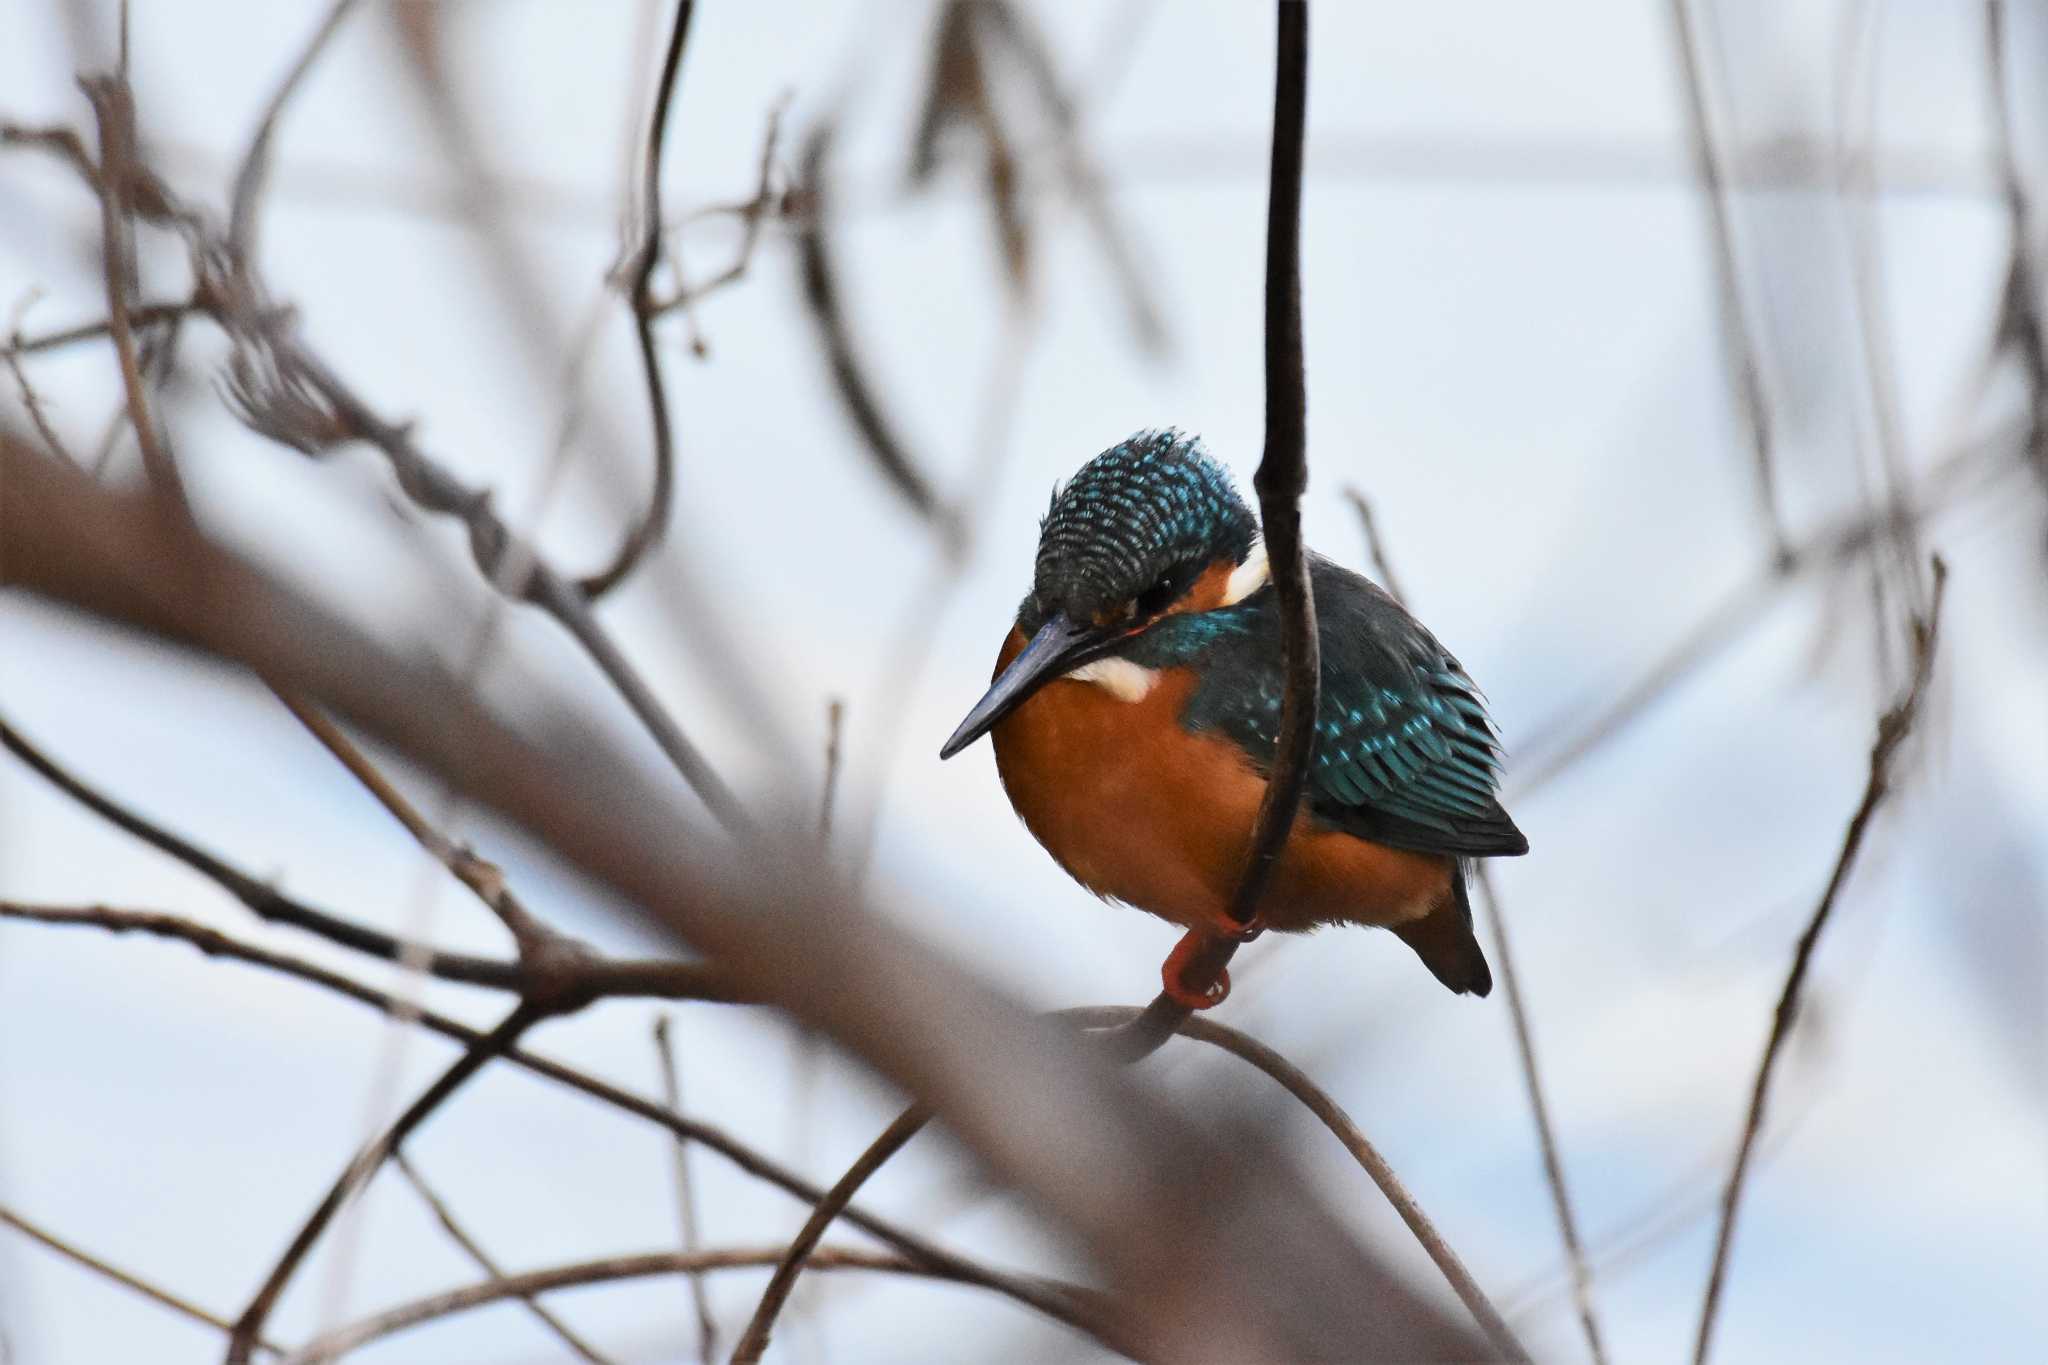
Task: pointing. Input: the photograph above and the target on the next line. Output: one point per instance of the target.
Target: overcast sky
(1513, 349)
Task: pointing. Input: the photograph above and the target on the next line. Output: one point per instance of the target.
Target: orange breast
(1141, 811)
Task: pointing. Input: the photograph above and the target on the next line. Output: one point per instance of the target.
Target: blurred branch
(767, 202)
(1121, 1170)
(1736, 335)
(288, 394)
(127, 1279)
(1525, 1039)
(1967, 471)
(458, 1234)
(640, 977)
(849, 376)
(686, 1196)
(1539, 1109)
(2021, 327)
(650, 526)
(1332, 1116)
(610, 1270)
(141, 315)
(1893, 727)
(214, 943)
(113, 106)
(255, 168)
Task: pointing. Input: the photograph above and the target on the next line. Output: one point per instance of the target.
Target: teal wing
(1406, 753)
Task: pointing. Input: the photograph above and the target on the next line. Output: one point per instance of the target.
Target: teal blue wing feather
(1405, 754)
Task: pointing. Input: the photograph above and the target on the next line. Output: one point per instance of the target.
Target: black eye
(1164, 593)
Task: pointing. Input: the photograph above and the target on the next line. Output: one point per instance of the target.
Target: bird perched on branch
(1136, 704)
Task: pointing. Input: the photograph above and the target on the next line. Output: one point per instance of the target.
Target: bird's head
(1148, 528)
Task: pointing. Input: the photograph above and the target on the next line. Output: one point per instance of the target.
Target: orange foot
(1178, 973)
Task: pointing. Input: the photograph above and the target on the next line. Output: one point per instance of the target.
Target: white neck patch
(1248, 577)
(1120, 678)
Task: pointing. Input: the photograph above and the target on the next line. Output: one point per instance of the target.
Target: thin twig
(1125, 1171)
(1518, 1016)
(753, 214)
(483, 878)
(460, 1235)
(1539, 1110)
(849, 376)
(1967, 471)
(653, 978)
(835, 724)
(686, 1195)
(647, 529)
(323, 411)
(1375, 546)
(113, 106)
(1332, 1116)
(610, 1270)
(142, 315)
(366, 1163)
(754, 1340)
(126, 1278)
(214, 943)
(255, 168)
(1893, 727)
(1735, 327)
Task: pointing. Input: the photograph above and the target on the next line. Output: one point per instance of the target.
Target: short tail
(1443, 940)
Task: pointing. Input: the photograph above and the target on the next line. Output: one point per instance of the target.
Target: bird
(1135, 709)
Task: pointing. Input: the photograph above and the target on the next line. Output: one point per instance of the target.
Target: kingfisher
(1135, 709)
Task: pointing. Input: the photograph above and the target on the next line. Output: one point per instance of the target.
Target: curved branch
(610, 1270)
(255, 168)
(1332, 1116)
(249, 1327)
(648, 530)
(797, 1254)
(651, 978)
(932, 1258)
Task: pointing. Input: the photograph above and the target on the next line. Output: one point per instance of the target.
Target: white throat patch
(1120, 678)
(1248, 577)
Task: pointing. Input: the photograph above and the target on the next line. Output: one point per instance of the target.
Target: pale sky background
(1512, 348)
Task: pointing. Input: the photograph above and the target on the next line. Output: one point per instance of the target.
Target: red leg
(1192, 945)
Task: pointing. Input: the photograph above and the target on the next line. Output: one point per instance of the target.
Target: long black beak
(1060, 644)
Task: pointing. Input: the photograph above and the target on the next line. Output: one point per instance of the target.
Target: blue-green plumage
(1405, 752)
(1148, 557)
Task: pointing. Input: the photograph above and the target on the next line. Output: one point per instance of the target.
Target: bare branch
(648, 529)
(249, 1327)
(1735, 327)
(894, 1138)
(835, 722)
(114, 106)
(856, 393)
(484, 879)
(1893, 727)
(686, 1194)
(610, 1270)
(142, 315)
(1120, 1169)
(1539, 1110)
(460, 1235)
(1525, 1040)
(255, 168)
(654, 978)
(126, 1278)
(1332, 1116)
